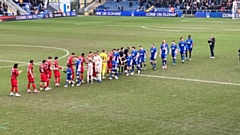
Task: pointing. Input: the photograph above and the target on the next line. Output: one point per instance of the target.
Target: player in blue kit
(143, 56)
(182, 48)
(174, 52)
(190, 44)
(129, 63)
(115, 63)
(78, 71)
(138, 62)
(134, 58)
(68, 76)
(163, 52)
(153, 56)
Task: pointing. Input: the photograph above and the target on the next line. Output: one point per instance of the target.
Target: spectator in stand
(130, 4)
(171, 9)
(35, 11)
(1, 11)
(229, 5)
(177, 4)
(18, 12)
(122, 8)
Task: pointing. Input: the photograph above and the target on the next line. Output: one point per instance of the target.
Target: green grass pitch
(199, 97)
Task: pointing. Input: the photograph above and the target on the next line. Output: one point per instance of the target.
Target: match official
(211, 42)
(125, 52)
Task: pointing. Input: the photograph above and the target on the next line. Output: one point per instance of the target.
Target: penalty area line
(190, 80)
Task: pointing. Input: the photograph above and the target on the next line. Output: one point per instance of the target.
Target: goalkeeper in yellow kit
(104, 57)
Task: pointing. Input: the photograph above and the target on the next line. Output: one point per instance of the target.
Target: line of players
(98, 64)
(120, 61)
(101, 64)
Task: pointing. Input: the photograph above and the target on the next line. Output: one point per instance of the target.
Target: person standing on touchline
(211, 42)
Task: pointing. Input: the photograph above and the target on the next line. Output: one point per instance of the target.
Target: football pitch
(199, 97)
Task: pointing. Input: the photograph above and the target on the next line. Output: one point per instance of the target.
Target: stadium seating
(163, 5)
(4, 10)
(32, 6)
(111, 5)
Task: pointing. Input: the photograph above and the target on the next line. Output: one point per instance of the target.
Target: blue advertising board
(129, 13)
(215, 15)
(26, 17)
(47, 15)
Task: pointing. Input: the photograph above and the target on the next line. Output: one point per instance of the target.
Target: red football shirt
(110, 57)
(14, 73)
(82, 60)
(43, 69)
(89, 56)
(48, 65)
(70, 61)
(55, 64)
(30, 69)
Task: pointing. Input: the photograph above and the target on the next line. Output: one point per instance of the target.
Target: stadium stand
(123, 5)
(32, 6)
(3, 8)
(186, 6)
(4, 11)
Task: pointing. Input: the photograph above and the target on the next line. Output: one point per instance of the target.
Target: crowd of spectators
(196, 5)
(3, 9)
(187, 6)
(31, 6)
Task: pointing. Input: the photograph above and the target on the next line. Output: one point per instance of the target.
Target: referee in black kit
(211, 42)
(125, 51)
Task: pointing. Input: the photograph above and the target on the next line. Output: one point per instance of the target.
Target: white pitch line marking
(12, 61)
(37, 63)
(184, 29)
(191, 80)
(100, 22)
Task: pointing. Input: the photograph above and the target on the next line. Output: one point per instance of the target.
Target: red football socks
(73, 76)
(16, 89)
(28, 86)
(58, 80)
(34, 86)
(48, 82)
(12, 89)
(81, 76)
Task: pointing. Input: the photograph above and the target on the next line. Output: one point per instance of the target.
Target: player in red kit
(70, 62)
(49, 71)
(90, 55)
(31, 79)
(14, 82)
(57, 75)
(82, 58)
(43, 76)
(109, 63)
